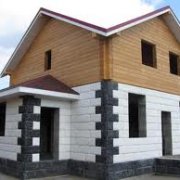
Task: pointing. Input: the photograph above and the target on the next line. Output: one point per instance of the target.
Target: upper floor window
(174, 63)
(48, 60)
(148, 51)
(2, 118)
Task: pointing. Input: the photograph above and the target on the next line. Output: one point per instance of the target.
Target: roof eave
(20, 91)
(45, 14)
(173, 23)
(136, 21)
(25, 43)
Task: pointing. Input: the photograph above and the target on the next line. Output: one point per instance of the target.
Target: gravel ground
(153, 177)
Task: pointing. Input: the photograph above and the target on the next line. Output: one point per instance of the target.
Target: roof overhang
(20, 91)
(173, 24)
(44, 15)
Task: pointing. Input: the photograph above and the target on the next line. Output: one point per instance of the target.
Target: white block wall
(151, 146)
(83, 124)
(77, 124)
(8, 143)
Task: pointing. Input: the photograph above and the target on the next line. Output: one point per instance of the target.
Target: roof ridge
(43, 16)
(100, 27)
(138, 18)
(72, 19)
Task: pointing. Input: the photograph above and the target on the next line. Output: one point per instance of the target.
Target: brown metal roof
(47, 82)
(105, 30)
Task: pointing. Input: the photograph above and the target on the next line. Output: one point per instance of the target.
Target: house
(90, 101)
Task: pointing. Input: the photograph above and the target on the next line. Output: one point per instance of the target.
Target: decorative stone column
(106, 127)
(30, 131)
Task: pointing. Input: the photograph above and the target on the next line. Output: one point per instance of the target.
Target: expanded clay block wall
(83, 124)
(149, 147)
(9, 147)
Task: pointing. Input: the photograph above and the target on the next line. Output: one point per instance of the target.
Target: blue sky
(175, 5)
(16, 16)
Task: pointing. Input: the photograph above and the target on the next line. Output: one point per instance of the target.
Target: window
(2, 118)
(166, 130)
(174, 63)
(48, 60)
(137, 116)
(148, 54)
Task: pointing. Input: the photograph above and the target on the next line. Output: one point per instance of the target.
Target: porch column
(30, 130)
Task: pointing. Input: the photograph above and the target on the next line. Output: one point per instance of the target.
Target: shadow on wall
(4, 82)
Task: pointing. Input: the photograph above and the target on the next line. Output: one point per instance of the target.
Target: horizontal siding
(75, 55)
(127, 63)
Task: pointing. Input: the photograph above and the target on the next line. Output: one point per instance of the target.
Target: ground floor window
(137, 115)
(166, 133)
(2, 118)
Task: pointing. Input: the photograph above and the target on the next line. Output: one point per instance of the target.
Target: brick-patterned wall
(83, 124)
(9, 147)
(131, 149)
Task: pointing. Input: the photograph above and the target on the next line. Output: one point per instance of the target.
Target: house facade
(90, 101)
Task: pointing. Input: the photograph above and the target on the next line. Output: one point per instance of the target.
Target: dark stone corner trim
(106, 124)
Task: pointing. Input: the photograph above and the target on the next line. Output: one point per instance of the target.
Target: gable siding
(127, 63)
(75, 55)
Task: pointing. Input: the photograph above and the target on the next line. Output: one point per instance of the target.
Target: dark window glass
(148, 54)
(173, 60)
(2, 118)
(48, 60)
(137, 116)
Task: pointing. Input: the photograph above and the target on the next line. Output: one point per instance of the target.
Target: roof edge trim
(37, 92)
(20, 49)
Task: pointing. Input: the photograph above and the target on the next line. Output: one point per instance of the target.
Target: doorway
(48, 133)
(166, 134)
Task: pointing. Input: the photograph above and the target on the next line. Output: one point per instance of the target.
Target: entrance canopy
(46, 86)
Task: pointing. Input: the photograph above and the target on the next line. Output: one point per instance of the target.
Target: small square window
(174, 63)
(148, 53)
(48, 60)
(2, 118)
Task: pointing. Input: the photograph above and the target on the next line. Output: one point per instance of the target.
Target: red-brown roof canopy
(49, 83)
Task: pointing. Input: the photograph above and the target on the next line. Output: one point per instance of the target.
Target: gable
(74, 51)
(44, 15)
(128, 67)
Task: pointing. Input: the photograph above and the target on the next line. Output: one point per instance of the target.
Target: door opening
(166, 134)
(48, 127)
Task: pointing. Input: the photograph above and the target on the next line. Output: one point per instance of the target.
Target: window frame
(48, 60)
(2, 131)
(154, 56)
(178, 63)
(141, 121)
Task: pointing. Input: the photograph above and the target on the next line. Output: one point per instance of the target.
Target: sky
(16, 15)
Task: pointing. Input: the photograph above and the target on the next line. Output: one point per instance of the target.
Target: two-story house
(91, 101)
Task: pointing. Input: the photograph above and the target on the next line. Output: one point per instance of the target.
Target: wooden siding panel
(127, 63)
(75, 55)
